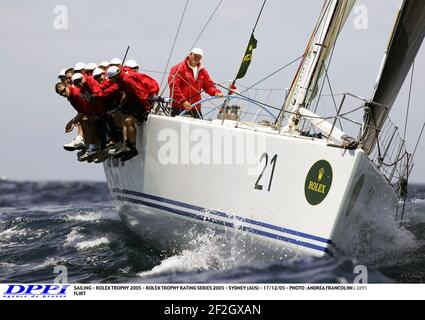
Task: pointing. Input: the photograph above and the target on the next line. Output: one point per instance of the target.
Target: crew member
(132, 64)
(186, 81)
(139, 89)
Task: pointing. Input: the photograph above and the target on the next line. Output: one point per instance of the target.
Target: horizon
(33, 120)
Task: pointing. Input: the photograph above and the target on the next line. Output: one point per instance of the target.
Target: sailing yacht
(272, 184)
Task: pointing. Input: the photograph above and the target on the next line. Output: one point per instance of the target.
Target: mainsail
(405, 42)
(332, 18)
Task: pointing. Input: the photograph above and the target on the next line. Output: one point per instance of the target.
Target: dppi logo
(36, 290)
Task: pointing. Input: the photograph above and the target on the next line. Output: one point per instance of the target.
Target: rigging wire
(419, 140)
(404, 186)
(405, 181)
(326, 70)
(152, 71)
(200, 34)
(174, 42)
(206, 24)
(333, 98)
(272, 74)
(409, 99)
(243, 61)
(259, 15)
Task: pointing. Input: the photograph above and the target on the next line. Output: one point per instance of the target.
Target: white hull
(171, 204)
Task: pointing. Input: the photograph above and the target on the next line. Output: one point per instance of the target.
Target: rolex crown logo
(321, 173)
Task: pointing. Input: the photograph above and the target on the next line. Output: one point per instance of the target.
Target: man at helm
(186, 81)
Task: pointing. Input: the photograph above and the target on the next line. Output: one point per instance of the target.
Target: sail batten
(404, 44)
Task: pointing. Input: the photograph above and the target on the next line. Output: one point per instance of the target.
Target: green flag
(247, 57)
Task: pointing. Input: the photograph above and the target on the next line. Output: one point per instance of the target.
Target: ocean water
(73, 224)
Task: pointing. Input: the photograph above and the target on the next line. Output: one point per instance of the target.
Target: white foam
(418, 201)
(7, 264)
(50, 262)
(92, 243)
(376, 238)
(14, 231)
(73, 237)
(87, 216)
(207, 251)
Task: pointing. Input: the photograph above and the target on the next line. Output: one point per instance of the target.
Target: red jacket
(138, 87)
(109, 93)
(77, 100)
(184, 87)
(81, 101)
(91, 84)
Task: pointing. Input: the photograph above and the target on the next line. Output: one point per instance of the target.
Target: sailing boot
(122, 150)
(132, 153)
(80, 154)
(102, 156)
(114, 148)
(76, 144)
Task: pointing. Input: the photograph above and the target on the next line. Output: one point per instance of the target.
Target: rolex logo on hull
(318, 182)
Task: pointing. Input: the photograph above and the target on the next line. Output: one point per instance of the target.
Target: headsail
(405, 42)
(333, 16)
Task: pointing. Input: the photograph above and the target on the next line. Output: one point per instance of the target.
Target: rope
(174, 42)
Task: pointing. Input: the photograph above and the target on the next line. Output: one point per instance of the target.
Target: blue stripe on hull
(221, 222)
(225, 215)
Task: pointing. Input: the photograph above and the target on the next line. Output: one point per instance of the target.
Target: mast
(404, 44)
(332, 18)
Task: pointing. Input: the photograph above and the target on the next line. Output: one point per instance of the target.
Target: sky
(36, 44)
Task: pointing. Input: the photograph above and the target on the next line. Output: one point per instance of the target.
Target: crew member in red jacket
(81, 105)
(138, 88)
(186, 81)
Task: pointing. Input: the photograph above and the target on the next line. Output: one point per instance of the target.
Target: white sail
(405, 42)
(333, 16)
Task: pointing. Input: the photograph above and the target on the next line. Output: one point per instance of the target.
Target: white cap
(79, 66)
(112, 71)
(131, 63)
(62, 73)
(116, 61)
(104, 64)
(76, 76)
(91, 66)
(197, 51)
(97, 72)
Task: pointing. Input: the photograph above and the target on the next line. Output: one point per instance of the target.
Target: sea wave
(42, 226)
(93, 243)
